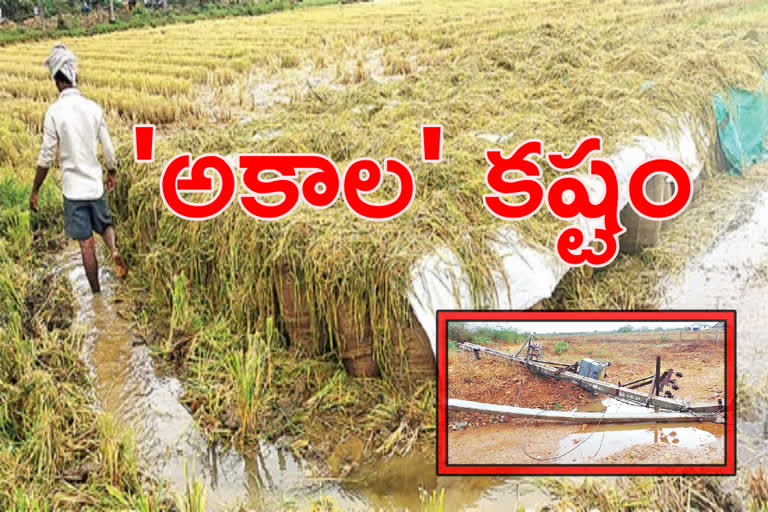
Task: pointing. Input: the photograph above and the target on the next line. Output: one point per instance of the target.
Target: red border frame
(728, 468)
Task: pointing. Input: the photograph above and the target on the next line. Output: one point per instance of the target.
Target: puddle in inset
(612, 438)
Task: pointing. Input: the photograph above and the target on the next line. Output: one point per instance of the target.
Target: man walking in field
(76, 126)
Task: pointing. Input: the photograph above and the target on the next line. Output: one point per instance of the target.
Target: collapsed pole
(578, 417)
(649, 400)
(524, 345)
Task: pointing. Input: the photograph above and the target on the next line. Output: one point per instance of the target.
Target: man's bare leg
(88, 252)
(109, 238)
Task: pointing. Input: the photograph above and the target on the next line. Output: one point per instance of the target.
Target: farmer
(76, 125)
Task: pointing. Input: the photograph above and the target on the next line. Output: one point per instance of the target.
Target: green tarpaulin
(742, 125)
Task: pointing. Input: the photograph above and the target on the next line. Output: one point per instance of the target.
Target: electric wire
(541, 459)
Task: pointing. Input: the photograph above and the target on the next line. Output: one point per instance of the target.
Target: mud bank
(493, 381)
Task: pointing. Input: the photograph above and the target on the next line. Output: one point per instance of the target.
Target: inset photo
(586, 392)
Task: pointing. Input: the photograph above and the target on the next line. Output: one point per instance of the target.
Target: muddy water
(731, 275)
(130, 387)
(611, 439)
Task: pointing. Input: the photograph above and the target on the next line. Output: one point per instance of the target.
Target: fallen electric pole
(626, 393)
(579, 417)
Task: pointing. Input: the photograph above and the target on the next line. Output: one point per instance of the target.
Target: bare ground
(549, 443)
(707, 453)
(494, 381)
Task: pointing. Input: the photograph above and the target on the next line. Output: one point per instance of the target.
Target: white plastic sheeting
(529, 272)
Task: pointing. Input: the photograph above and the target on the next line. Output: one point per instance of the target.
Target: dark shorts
(84, 216)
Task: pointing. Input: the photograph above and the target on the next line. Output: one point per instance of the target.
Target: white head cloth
(62, 59)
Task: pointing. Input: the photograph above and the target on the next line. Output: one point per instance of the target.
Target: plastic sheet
(742, 126)
(530, 272)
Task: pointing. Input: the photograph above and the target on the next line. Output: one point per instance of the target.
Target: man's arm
(40, 175)
(45, 158)
(109, 154)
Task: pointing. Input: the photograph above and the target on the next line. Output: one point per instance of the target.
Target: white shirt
(76, 124)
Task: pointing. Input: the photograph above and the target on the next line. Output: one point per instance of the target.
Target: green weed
(194, 498)
(432, 502)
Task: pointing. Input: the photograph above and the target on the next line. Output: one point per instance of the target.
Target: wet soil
(704, 453)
